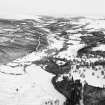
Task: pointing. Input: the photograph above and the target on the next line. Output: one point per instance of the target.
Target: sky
(12, 8)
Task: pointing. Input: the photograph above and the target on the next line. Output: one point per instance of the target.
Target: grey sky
(10, 8)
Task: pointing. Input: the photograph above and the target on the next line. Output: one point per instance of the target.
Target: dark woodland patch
(70, 89)
(52, 67)
(93, 95)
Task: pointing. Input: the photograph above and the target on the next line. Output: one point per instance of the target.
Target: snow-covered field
(32, 88)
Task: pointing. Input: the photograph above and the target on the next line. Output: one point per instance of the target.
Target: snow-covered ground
(32, 88)
(31, 85)
(99, 48)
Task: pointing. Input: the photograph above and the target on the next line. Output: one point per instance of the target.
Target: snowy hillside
(43, 60)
